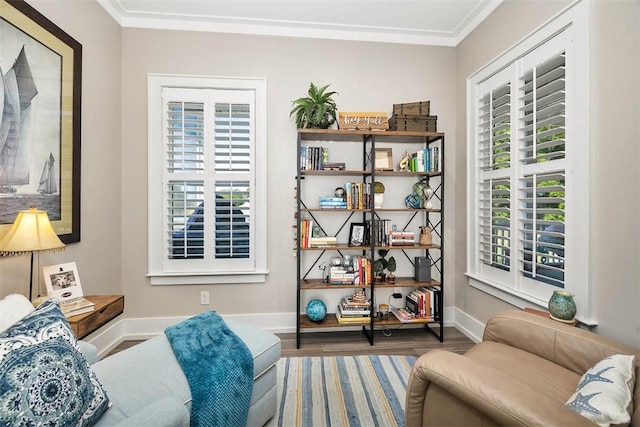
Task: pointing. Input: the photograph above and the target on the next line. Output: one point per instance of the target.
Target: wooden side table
(107, 308)
(547, 315)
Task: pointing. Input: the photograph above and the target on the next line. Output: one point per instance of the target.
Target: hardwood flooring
(346, 343)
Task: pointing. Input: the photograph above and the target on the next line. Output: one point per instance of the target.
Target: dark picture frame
(356, 234)
(43, 65)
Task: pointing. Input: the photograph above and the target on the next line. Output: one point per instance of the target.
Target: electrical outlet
(204, 298)
(396, 295)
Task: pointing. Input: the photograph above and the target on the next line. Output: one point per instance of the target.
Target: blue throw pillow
(44, 379)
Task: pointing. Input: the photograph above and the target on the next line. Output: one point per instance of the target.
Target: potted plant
(378, 194)
(378, 267)
(317, 110)
(391, 266)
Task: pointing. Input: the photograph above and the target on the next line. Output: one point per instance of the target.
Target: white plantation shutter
(494, 164)
(209, 183)
(543, 112)
(495, 222)
(542, 188)
(529, 167)
(541, 231)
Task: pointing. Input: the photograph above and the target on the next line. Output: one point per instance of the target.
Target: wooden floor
(401, 341)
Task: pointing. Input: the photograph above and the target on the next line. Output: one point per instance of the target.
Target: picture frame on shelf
(383, 159)
(356, 234)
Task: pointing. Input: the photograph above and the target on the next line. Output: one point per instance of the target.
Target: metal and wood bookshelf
(414, 217)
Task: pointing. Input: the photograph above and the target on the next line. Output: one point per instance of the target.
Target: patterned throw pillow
(44, 379)
(605, 391)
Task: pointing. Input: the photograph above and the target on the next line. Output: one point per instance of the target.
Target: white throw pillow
(605, 391)
(13, 308)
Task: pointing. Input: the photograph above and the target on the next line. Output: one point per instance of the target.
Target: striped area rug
(342, 391)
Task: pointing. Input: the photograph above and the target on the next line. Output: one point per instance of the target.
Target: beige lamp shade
(30, 232)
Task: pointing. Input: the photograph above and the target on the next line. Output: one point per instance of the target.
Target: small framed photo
(383, 159)
(63, 281)
(356, 234)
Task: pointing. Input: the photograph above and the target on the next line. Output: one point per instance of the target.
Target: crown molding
(281, 28)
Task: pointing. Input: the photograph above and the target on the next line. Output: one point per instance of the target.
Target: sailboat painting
(30, 125)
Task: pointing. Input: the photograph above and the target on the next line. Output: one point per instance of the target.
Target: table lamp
(31, 232)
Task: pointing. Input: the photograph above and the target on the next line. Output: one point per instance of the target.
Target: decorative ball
(340, 192)
(316, 310)
(412, 201)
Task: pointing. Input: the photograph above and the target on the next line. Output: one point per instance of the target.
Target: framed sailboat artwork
(40, 96)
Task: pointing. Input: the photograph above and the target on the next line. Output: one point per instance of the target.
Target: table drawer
(85, 324)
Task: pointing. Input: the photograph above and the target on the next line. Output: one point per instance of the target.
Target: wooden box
(412, 108)
(413, 123)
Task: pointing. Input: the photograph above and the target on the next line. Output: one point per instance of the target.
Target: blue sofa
(148, 388)
(145, 384)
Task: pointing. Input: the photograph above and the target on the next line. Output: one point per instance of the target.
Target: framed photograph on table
(356, 234)
(62, 281)
(41, 67)
(383, 159)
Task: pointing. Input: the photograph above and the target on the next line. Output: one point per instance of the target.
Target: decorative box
(415, 123)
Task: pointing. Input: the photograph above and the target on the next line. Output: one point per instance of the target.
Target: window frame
(159, 272)
(511, 286)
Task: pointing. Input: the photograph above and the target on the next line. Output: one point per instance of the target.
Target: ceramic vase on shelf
(378, 200)
(562, 307)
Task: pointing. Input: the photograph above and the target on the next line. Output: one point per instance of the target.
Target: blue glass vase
(562, 307)
(316, 310)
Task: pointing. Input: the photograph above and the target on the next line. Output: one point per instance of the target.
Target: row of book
(310, 236)
(315, 158)
(358, 195)
(425, 160)
(359, 272)
(424, 302)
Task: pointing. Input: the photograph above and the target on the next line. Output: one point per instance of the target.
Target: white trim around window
(528, 168)
(207, 148)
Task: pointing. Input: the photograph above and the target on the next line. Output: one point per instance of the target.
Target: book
(405, 317)
(76, 306)
(352, 320)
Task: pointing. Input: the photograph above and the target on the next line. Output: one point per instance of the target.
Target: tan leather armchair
(521, 374)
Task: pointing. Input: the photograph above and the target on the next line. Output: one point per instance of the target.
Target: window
(528, 167)
(207, 163)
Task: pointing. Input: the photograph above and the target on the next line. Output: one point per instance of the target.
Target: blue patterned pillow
(44, 379)
(605, 391)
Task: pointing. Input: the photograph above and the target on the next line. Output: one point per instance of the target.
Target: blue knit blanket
(219, 368)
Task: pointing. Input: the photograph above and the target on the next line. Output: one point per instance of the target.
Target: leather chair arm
(570, 347)
(504, 399)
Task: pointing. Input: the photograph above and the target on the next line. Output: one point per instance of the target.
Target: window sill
(515, 298)
(170, 279)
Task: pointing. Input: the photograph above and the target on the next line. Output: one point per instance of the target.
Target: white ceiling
(426, 22)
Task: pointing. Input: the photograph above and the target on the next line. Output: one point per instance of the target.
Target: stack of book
(76, 306)
(352, 311)
(341, 276)
(423, 302)
(333, 203)
(402, 238)
(319, 242)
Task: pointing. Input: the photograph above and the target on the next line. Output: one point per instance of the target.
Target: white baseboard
(108, 337)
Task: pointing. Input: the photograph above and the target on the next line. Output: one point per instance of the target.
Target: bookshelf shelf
(339, 222)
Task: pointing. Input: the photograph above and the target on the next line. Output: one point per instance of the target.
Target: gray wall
(368, 77)
(613, 104)
(98, 254)
(112, 255)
